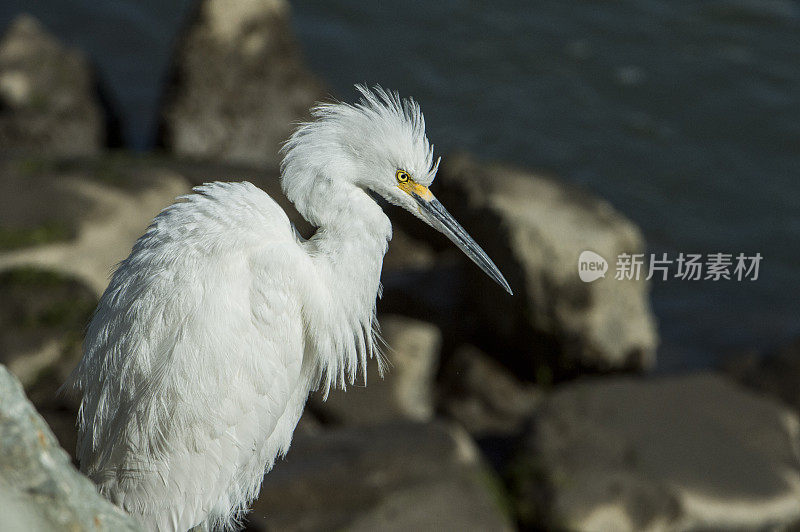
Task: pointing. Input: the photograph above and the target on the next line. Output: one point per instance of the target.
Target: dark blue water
(684, 114)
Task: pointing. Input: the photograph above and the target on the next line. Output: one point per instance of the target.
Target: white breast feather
(201, 354)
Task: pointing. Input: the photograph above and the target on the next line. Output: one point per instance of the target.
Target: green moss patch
(20, 237)
(40, 305)
(35, 298)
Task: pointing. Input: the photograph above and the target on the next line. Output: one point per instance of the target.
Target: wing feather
(192, 359)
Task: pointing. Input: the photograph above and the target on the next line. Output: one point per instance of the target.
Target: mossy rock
(121, 169)
(35, 207)
(48, 232)
(42, 311)
(40, 204)
(42, 322)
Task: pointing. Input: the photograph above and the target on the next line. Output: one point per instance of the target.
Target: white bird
(210, 336)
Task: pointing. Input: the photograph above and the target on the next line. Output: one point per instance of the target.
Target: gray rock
(42, 320)
(681, 453)
(48, 98)
(776, 373)
(399, 476)
(405, 391)
(238, 84)
(63, 227)
(79, 218)
(407, 253)
(484, 396)
(535, 228)
(455, 504)
(39, 489)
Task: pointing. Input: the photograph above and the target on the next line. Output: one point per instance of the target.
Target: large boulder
(79, 218)
(397, 476)
(238, 84)
(535, 228)
(484, 396)
(406, 254)
(681, 453)
(48, 97)
(63, 227)
(406, 389)
(39, 489)
(42, 320)
(775, 373)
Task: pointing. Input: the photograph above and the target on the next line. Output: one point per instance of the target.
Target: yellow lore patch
(410, 187)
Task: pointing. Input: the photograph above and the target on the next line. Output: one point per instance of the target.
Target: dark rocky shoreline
(531, 412)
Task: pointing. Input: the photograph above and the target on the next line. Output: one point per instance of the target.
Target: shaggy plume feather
(381, 132)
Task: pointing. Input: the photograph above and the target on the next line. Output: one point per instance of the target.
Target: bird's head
(378, 145)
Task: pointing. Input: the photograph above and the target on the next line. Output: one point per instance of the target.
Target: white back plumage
(211, 334)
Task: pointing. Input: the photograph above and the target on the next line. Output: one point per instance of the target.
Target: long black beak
(436, 215)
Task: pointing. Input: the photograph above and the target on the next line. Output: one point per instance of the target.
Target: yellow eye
(402, 176)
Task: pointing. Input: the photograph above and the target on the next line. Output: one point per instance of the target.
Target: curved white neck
(347, 252)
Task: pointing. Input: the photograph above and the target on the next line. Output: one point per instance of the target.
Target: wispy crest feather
(380, 118)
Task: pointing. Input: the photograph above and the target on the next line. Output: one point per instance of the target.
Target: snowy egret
(210, 336)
